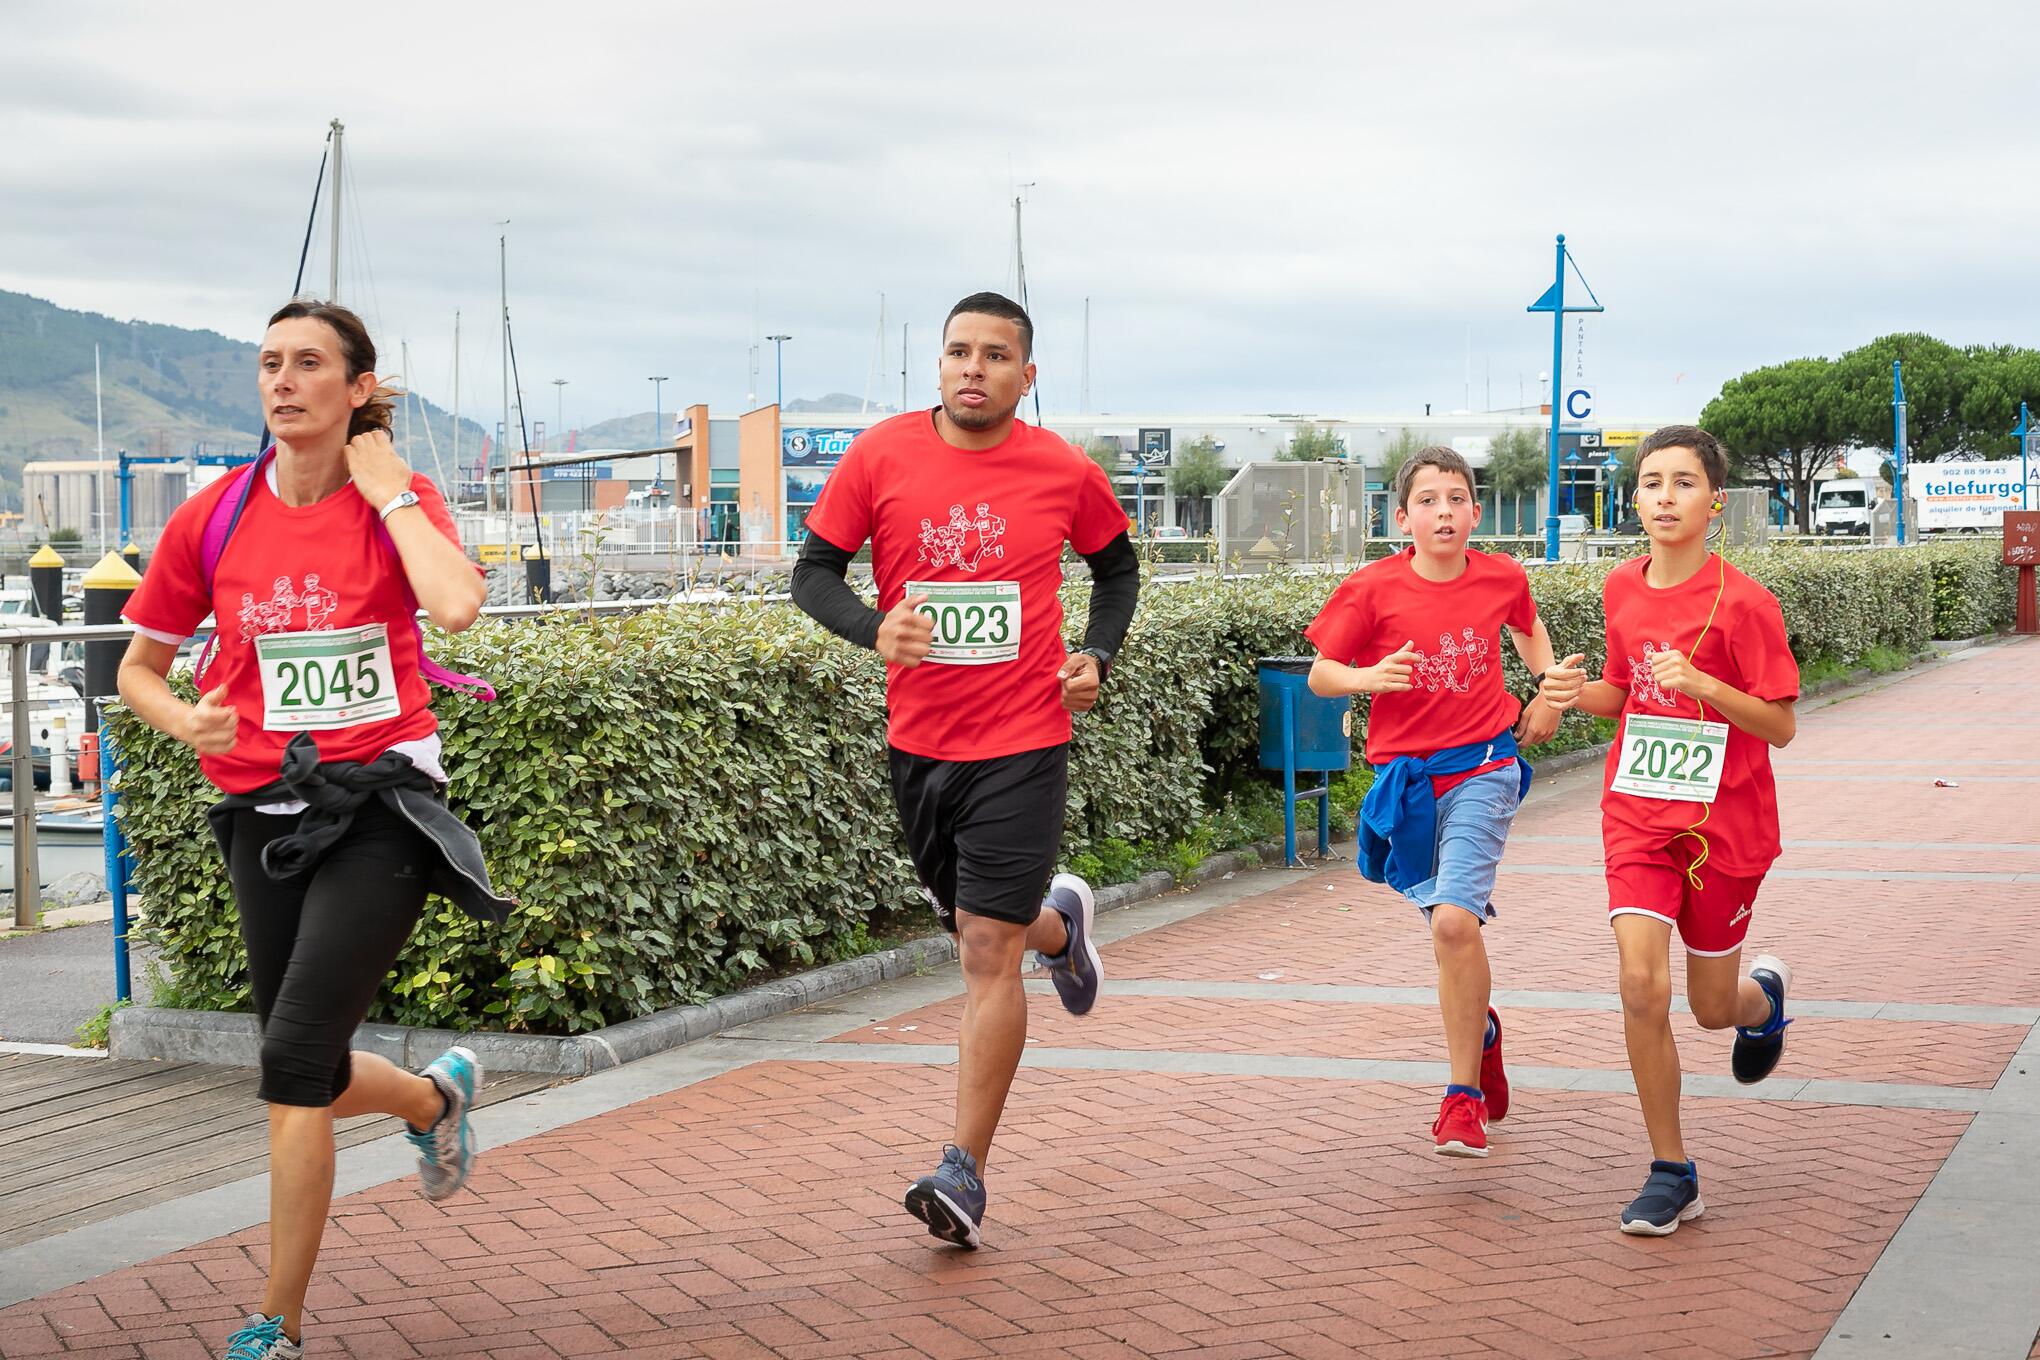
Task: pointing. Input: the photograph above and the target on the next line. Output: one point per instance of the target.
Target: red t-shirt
(289, 569)
(1745, 646)
(937, 513)
(1456, 695)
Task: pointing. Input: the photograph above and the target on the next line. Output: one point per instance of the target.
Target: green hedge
(1974, 593)
(687, 799)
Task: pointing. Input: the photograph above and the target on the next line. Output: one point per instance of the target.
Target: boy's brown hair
(1436, 456)
(1712, 458)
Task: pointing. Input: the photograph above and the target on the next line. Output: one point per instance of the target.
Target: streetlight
(559, 408)
(656, 412)
(779, 369)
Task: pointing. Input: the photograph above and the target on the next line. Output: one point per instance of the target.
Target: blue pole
(1557, 355)
(1898, 446)
(2024, 435)
(116, 865)
(126, 479)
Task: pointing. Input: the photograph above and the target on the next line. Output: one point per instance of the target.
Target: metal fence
(1298, 514)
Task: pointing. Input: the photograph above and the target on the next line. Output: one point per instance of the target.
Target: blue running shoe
(950, 1200)
(263, 1339)
(1670, 1197)
(1757, 1051)
(446, 1150)
(1076, 971)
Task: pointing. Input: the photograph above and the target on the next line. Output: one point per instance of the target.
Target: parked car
(1631, 523)
(1164, 532)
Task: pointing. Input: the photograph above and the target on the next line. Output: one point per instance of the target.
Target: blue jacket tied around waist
(1399, 817)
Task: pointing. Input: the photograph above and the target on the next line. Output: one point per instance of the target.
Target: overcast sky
(1272, 207)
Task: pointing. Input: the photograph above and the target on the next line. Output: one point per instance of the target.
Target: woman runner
(315, 721)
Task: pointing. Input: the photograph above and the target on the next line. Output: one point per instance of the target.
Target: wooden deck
(87, 1139)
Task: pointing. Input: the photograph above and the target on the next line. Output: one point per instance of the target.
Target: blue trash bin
(1301, 731)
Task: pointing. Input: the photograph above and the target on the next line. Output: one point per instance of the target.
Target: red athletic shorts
(1712, 918)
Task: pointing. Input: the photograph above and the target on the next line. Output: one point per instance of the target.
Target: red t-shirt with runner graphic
(991, 518)
(1456, 696)
(289, 569)
(1731, 628)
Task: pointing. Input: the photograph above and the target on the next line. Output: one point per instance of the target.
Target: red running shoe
(1494, 1082)
(1461, 1129)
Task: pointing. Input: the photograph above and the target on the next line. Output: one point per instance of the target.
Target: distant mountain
(167, 390)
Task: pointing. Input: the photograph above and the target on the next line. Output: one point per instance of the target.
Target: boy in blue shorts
(1442, 734)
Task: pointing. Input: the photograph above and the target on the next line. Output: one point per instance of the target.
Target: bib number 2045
(976, 623)
(326, 680)
(1674, 758)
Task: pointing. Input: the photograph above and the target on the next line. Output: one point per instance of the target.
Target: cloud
(1288, 206)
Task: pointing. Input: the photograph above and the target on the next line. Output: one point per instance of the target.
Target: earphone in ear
(1719, 505)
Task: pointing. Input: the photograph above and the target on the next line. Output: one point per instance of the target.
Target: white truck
(1968, 497)
(1845, 505)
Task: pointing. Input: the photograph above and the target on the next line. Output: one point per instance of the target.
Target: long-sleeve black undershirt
(821, 590)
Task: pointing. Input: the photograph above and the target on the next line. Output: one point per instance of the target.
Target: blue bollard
(116, 865)
(1302, 732)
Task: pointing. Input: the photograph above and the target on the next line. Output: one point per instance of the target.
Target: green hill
(167, 391)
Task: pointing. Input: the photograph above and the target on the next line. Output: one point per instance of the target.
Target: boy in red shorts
(1702, 676)
(1441, 735)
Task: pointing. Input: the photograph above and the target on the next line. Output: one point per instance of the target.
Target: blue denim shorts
(1473, 826)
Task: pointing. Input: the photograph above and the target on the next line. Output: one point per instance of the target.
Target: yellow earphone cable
(1693, 869)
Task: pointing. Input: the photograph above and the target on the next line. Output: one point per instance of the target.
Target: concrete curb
(229, 1039)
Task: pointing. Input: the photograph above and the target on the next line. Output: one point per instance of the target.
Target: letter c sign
(1579, 403)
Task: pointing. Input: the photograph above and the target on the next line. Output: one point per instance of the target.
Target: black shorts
(984, 834)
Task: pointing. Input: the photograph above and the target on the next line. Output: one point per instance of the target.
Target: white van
(1845, 505)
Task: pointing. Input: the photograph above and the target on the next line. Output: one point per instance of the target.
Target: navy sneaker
(1757, 1051)
(263, 1339)
(951, 1199)
(1670, 1197)
(446, 1151)
(1076, 971)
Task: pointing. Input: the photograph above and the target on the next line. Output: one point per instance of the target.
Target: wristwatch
(1537, 680)
(399, 501)
(1099, 655)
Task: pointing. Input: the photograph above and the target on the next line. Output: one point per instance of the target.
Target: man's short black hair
(999, 305)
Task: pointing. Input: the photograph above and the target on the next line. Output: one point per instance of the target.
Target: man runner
(967, 510)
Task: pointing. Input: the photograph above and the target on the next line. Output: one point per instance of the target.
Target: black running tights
(319, 949)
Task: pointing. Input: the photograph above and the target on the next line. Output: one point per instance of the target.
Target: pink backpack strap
(212, 544)
(471, 685)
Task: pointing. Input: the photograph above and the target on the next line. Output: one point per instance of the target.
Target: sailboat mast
(99, 474)
(404, 350)
(503, 438)
(1019, 255)
(456, 398)
(877, 372)
(333, 212)
(1084, 397)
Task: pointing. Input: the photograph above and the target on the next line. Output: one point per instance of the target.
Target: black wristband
(1537, 680)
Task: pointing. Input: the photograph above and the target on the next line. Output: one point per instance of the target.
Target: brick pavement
(1150, 1211)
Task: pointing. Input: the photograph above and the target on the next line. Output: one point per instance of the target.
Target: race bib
(1676, 758)
(977, 623)
(329, 679)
